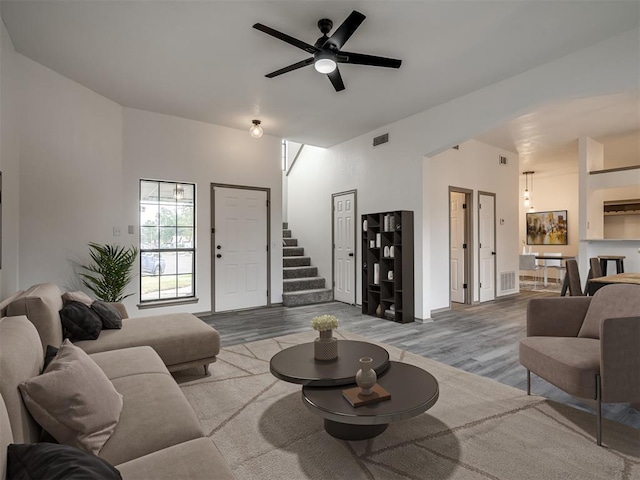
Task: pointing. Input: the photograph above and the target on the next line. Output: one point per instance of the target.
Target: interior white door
(487, 247)
(240, 248)
(344, 248)
(456, 245)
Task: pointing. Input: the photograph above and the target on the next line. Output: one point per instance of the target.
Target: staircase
(301, 283)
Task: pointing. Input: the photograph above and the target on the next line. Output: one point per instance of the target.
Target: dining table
(545, 258)
(593, 284)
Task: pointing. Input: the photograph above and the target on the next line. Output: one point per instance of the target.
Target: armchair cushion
(571, 364)
(611, 301)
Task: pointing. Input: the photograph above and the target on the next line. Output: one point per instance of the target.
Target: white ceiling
(202, 60)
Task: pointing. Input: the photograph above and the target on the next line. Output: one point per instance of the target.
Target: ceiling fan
(327, 51)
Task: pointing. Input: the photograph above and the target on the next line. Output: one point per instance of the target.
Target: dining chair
(556, 265)
(527, 262)
(572, 279)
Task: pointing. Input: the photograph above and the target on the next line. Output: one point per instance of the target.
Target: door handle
(219, 247)
(219, 256)
(351, 254)
(493, 253)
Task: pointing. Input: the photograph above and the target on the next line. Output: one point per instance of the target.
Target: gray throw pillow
(74, 400)
(110, 316)
(80, 322)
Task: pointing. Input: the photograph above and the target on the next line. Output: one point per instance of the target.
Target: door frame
(468, 229)
(356, 220)
(213, 238)
(495, 243)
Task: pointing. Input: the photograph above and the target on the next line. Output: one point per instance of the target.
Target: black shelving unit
(387, 242)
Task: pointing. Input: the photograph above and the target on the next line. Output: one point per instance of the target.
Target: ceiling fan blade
(344, 31)
(286, 38)
(361, 59)
(336, 80)
(290, 68)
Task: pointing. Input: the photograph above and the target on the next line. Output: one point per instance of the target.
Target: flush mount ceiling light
(256, 130)
(325, 62)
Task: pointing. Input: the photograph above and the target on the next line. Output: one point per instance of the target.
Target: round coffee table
(297, 365)
(413, 391)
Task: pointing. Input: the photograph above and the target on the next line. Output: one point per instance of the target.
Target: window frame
(159, 250)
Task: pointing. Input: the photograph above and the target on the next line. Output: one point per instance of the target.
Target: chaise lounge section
(157, 436)
(181, 340)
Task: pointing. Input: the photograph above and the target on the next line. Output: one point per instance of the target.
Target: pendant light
(256, 130)
(527, 193)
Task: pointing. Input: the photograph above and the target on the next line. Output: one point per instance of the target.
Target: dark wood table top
(555, 257)
(297, 364)
(413, 391)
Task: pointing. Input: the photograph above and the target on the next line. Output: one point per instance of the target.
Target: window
(167, 240)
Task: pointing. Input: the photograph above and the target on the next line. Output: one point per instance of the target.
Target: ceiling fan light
(256, 130)
(325, 64)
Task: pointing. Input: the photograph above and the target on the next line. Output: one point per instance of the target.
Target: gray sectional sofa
(157, 436)
(181, 339)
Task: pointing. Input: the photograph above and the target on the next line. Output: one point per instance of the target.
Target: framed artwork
(547, 228)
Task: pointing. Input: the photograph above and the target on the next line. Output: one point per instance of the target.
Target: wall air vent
(503, 160)
(380, 139)
(507, 281)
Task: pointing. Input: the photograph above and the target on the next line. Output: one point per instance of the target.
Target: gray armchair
(587, 346)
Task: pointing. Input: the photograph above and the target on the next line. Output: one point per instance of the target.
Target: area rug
(478, 429)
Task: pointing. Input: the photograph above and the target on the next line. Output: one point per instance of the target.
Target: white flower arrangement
(324, 322)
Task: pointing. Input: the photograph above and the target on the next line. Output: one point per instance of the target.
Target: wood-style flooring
(481, 339)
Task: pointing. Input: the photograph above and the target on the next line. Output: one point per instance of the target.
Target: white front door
(487, 247)
(344, 248)
(239, 248)
(457, 240)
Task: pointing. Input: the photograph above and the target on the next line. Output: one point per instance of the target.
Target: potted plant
(110, 271)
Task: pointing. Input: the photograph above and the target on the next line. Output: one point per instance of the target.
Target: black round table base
(345, 431)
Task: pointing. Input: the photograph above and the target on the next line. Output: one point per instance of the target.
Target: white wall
(9, 163)
(81, 157)
(70, 174)
(391, 176)
(170, 148)
(474, 166)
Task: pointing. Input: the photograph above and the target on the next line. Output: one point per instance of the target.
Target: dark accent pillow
(110, 316)
(80, 322)
(56, 462)
(49, 355)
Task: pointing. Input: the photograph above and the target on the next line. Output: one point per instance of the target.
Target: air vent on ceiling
(503, 160)
(380, 139)
(456, 147)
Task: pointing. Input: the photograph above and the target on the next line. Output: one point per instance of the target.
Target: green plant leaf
(110, 271)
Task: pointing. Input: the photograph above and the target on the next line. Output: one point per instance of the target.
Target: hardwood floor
(481, 339)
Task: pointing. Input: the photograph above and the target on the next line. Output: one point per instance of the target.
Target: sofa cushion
(41, 304)
(7, 301)
(570, 363)
(5, 437)
(129, 361)
(73, 400)
(611, 301)
(155, 415)
(20, 359)
(177, 337)
(110, 316)
(194, 459)
(56, 462)
(80, 322)
(81, 297)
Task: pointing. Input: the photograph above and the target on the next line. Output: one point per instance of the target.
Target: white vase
(366, 377)
(325, 347)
